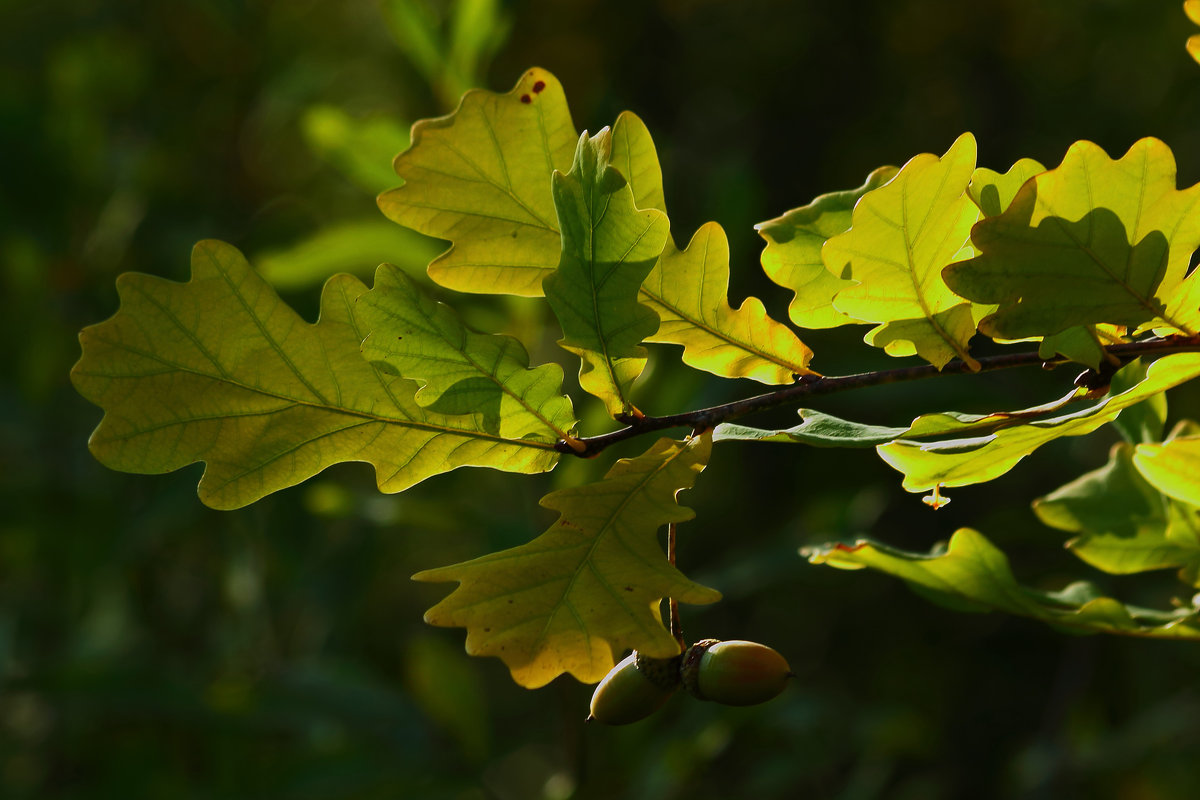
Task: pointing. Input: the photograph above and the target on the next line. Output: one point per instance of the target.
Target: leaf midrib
(490, 374)
(585, 561)
(716, 333)
(325, 407)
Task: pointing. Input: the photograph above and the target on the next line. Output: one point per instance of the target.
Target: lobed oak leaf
(609, 246)
(792, 257)
(688, 289)
(220, 370)
(480, 177)
(460, 371)
(634, 155)
(590, 586)
(993, 192)
(1092, 241)
(901, 236)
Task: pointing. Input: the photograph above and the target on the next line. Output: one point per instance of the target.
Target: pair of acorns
(736, 673)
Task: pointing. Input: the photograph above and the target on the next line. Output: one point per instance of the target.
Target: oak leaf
(575, 597)
(220, 370)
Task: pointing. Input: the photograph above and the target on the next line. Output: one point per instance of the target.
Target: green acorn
(735, 673)
(634, 689)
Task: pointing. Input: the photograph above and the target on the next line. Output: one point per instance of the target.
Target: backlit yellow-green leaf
(220, 370)
(1083, 344)
(993, 192)
(1091, 241)
(964, 461)
(1124, 524)
(589, 587)
(1146, 421)
(1192, 9)
(1173, 467)
(972, 574)
(459, 371)
(792, 257)
(608, 248)
(480, 178)
(635, 157)
(689, 290)
(901, 236)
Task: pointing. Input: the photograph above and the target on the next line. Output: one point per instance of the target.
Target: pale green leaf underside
(901, 236)
(1094, 240)
(689, 290)
(609, 247)
(460, 372)
(973, 575)
(963, 461)
(480, 177)
(818, 430)
(792, 257)
(220, 370)
(825, 430)
(1124, 524)
(589, 587)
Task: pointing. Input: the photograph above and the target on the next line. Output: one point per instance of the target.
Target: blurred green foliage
(150, 647)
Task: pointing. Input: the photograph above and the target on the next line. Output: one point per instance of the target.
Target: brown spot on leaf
(537, 87)
(526, 99)
(629, 588)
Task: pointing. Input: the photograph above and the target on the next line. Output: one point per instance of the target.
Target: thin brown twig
(816, 386)
(672, 603)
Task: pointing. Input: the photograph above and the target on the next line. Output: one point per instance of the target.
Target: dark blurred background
(153, 648)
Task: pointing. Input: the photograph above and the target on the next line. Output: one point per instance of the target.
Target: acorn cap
(626, 695)
(689, 667)
(662, 672)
